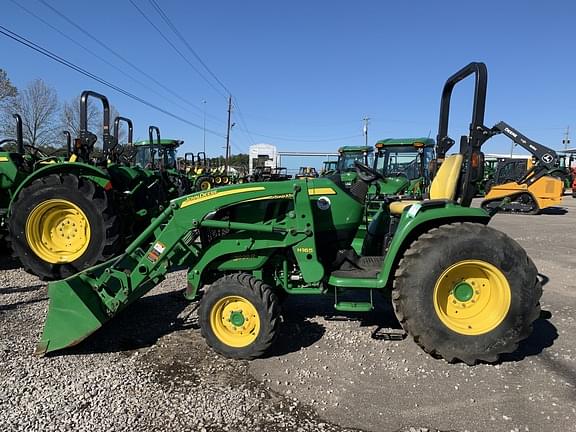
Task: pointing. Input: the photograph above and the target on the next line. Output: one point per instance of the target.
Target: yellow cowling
(546, 191)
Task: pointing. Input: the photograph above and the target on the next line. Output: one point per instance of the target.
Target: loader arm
(82, 303)
(546, 158)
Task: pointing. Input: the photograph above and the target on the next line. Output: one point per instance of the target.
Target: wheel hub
(235, 321)
(57, 231)
(472, 297)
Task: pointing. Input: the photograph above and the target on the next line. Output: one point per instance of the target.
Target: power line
(185, 42)
(119, 56)
(301, 139)
(85, 48)
(169, 42)
(22, 40)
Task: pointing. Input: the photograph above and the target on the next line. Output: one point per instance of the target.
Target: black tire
(261, 297)
(487, 186)
(90, 198)
(202, 181)
(423, 265)
(181, 184)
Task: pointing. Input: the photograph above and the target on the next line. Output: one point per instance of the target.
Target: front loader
(462, 290)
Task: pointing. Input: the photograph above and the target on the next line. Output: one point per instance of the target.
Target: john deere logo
(547, 158)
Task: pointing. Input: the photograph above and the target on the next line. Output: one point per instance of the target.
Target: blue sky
(305, 73)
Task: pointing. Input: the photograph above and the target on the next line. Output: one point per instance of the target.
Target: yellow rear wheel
(467, 292)
(472, 297)
(57, 231)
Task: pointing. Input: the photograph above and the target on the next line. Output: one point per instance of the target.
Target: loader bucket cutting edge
(74, 313)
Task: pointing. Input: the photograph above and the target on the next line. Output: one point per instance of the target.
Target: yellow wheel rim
(205, 185)
(472, 297)
(235, 321)
(57, 231)
(225, 180)
(217, 180)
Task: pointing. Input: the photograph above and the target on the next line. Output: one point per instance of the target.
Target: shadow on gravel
(298, 331)
(139, 326)
(554, 211)
(543, 335)
(16, 305)
(16, 290)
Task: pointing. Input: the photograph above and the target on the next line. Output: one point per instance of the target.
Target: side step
(353, 306)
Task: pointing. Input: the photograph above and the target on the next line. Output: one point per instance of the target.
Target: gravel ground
(149, 369)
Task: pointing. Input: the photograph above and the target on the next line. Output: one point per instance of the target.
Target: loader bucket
(74, 313)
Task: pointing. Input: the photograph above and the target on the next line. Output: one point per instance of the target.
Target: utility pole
(366, 120)
(566, 140)
(204, 106)
(228, 135)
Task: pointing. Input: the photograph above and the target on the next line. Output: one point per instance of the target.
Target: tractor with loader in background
(67, 215)
(463, 290)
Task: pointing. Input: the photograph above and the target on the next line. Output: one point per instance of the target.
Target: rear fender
(420, 218)
(95, 174)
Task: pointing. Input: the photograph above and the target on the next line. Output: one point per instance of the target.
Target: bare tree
(7, 90)
(70, 118)
(38, 106)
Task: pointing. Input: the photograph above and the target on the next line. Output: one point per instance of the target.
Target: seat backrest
(444, 185)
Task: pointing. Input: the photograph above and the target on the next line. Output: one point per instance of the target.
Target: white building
(262, 155)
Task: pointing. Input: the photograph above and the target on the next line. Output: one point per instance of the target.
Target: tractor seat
(443, 186)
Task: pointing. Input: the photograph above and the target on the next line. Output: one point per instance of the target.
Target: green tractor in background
(347, 157)
(403, 163)
(328, 167)
(404, 172)
(462, 290)
(198, 172)
(160, 155)
(64, 216)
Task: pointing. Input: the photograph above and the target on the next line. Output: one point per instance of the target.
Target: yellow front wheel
(466, 292)
(235, 321)
(239, 316)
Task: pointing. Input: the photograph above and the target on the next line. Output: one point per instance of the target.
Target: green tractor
(198, 171)
(64, 216)
(403, 163)
(161, 155)
(347, 157)
(328, 167)
(462, 290)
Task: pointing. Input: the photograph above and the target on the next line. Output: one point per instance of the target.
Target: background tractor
(462, 290)
(64, 216)
(160, 155)
(348, 156)
(198, 171)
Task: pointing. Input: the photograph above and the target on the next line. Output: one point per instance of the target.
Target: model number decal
(306, 250)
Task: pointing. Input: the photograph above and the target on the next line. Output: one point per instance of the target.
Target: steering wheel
(368, 174)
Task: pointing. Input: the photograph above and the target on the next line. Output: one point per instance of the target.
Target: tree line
(44, 118)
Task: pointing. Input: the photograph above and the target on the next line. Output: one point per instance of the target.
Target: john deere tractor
(161, 155)
(198, 171)
(462, 290)
(348, 156)
(65, 216)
